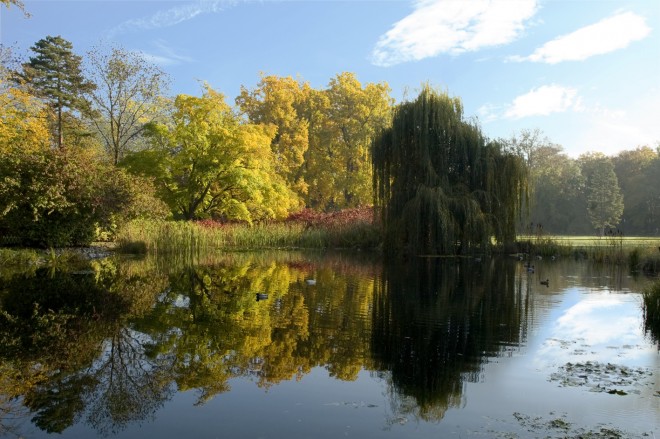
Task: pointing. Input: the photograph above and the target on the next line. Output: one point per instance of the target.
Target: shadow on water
(436, 321)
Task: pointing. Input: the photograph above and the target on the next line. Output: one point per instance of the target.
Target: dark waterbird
(546, 282)
(262, 296)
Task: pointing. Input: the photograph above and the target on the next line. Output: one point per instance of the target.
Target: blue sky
(585, 72)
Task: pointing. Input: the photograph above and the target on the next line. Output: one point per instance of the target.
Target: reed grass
(192, 240)
(195, 239)
(640, 254)
(651, 306)
(15, 257)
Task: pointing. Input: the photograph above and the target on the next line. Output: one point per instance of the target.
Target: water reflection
(110, 343)
(437, 320)
(67, 351)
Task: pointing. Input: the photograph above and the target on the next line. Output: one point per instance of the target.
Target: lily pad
(614, 379)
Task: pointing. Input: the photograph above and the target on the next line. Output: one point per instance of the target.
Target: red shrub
(339, 218)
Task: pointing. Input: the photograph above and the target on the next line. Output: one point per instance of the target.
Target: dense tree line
(103, 125)
(95, 139)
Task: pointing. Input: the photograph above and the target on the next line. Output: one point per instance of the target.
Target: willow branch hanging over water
(441, 187)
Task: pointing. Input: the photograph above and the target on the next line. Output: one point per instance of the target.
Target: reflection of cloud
(172, 16)
(450, 26)
(599, 321)
(601, 327)
(606, 36)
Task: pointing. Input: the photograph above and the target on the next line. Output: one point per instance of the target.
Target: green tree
(62, 198)
(54, 74)
(635, 171)
(557, 193)
(441, 188)
(126, 97)
(207, 163)
(604, 199)
(527, 143)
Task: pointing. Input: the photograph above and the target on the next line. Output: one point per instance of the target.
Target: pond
(295, 345)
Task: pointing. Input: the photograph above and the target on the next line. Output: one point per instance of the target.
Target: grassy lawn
(595, 241)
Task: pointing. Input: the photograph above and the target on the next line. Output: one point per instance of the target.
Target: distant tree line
(591, 194)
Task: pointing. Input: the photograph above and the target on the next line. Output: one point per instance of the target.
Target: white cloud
(451, 26)
(608, 35)
(543, 101)
(489, 112)
(172, 16)
(163, 60)
(164, 55)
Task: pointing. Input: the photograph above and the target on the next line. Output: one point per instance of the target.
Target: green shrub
(63, 198)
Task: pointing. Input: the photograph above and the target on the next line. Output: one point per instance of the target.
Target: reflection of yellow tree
(222, 331)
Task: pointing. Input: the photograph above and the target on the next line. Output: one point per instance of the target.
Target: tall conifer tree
(55, 75)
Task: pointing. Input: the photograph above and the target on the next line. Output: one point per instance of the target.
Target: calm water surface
(343, 346)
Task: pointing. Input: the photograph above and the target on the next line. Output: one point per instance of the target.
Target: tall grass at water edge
(640, 254)
(196, 238)
(355, 229)
(651, 297)
(144, 236)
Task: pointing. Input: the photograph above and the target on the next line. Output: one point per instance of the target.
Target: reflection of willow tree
(442, 188)
(53, 329)
(435, 321)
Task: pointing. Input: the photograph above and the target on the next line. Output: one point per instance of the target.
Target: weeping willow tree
(441, 187)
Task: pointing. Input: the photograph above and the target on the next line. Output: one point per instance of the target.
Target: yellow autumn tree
(277, 101)
(343, 119)
(207, 163)
(24, 119)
